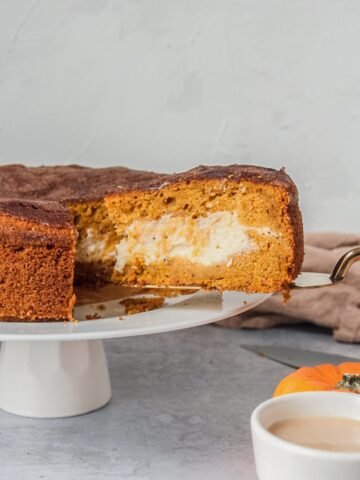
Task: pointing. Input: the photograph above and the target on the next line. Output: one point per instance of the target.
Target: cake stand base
(52, 379)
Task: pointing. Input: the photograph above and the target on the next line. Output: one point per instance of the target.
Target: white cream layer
(214, 239)
(93, 247)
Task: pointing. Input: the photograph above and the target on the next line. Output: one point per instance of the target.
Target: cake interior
(96, 242)
(37, 267)
(190, 233)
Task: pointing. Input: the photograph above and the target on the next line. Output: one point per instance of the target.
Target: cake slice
(228, 228)
(37, 251)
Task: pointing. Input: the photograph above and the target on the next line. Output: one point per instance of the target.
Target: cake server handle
(314, 280)
(344, 263)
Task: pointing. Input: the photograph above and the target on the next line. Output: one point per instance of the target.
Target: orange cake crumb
(141, 304)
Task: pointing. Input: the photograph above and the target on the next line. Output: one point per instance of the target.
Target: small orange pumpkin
(344, 378)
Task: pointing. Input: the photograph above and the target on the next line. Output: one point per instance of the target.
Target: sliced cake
(37, 251)
(229, 228)
(236, 227)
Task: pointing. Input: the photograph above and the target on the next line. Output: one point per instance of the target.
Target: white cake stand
(51, 370)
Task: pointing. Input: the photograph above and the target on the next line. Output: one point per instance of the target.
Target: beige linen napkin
(336, 307)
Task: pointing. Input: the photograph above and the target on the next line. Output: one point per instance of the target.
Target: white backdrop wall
(169, 84)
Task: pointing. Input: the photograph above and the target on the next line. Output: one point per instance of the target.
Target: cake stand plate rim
(202, 308)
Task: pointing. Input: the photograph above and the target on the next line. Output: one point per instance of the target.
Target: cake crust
(215, 172)
(47, 213)
(68, 183)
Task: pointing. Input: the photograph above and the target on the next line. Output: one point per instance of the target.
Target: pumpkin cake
(228, 228)
(235, 227)
(37, 249)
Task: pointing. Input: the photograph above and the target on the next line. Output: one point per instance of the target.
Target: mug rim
(258, 428)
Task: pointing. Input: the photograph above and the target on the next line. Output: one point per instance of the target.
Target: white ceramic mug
(278, 459)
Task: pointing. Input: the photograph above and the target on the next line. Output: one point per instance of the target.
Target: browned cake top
(217, 172)
(46, 213)
(66, 183)
(31, 222)
(76, 183)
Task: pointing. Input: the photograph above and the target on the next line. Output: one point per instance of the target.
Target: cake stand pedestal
(53, 379)
(53, 370)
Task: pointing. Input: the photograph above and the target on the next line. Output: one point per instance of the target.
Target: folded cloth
(336, 307)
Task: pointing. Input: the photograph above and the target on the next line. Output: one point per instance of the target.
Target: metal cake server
(315, 280)
(296, 358)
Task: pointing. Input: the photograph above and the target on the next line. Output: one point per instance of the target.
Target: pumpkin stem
(350, 381)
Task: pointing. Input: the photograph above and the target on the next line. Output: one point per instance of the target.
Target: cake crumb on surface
(94, 316)
(286, 294)
(141, 304)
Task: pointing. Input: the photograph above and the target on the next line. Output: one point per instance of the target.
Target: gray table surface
(180, 410)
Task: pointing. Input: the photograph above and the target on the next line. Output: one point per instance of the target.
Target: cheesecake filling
(210, 240)
(94, 246)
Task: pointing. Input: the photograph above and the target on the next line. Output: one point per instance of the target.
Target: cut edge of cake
(227, 228)
(37, 247)
(96, 240)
